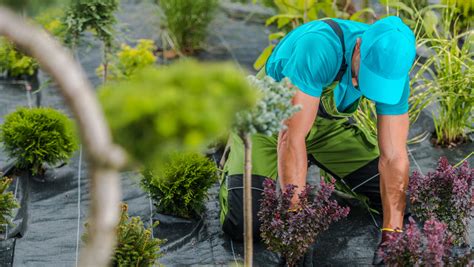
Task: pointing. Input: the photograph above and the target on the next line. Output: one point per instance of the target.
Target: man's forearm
(292, 161)
(393, 185)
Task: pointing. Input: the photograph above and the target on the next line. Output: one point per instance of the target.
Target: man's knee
(233, 223)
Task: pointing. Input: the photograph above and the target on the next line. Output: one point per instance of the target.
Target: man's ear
(358, 42)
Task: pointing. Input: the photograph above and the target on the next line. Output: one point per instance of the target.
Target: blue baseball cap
(387, 52)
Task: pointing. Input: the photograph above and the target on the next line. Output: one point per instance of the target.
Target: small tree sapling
(95, 15)
(267, 117)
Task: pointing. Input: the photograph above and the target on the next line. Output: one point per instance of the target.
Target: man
(371, 61)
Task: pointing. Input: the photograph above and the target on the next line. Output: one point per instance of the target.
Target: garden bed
(53, 214)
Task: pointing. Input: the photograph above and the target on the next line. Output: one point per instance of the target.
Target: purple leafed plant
(415, 248)
(447, 195)
(291, 231)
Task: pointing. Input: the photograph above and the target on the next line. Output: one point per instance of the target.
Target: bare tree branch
(104, 158)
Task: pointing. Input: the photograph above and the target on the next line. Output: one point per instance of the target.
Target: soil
(453, 144)
(51, 219)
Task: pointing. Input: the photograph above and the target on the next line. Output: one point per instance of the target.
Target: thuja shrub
(416, 248)
(176, 108)
(36, 136)
(187, 21)
(13, 62)
(447, 195)
(7, 202)
(291, 231)
(180, 188)
(135, 244)
(129, 60)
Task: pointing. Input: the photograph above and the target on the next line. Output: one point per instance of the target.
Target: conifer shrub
(7, 202)
(182, 107)
(180, 188)
(446, 195)
(291, 231)
(36, 136)
(135, 244)
(187, 21)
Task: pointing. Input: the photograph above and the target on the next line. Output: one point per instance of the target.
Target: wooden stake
(248, 224)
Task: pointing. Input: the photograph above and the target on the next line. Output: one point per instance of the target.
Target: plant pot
(177, 231)
(52, 174)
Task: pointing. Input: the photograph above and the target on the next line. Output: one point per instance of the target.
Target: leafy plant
(290, 232)
(7, 202)
(96, 16)
(135, 245)
(36, 136)
(266, 117)
(177, 108)
(464, 13)
(180, 188)
(414, 248)
(187, 21)
(447, 195)
(449, 76)
(129, 60)
(14, 62)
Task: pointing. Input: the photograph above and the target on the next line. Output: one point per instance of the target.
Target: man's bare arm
(393, 167)
(292, 155)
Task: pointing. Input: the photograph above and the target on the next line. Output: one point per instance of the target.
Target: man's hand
(292, 155)
(393, 167)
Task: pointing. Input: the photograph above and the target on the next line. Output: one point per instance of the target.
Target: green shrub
(180, 188)
(187, 21)
(7, 202)
(14, 62)
(174, 108)
(135, 245)
(36, 136)
(129, 60)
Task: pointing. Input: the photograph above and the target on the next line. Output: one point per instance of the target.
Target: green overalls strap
(338, 146)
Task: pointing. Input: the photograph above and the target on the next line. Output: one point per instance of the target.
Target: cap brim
(379, 89)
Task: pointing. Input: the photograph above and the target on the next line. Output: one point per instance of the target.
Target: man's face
(356, 63)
